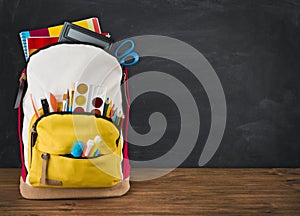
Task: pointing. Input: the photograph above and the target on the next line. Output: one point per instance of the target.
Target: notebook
(50, 34)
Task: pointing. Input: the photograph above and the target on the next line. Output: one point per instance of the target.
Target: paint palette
(97, 100)
(88, 98)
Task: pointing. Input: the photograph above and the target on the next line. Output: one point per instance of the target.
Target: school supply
(88, 98)
(36, 43)
(96, 147)
(55, 144)
(54, 31)
(45, 106)
(87, 149)
(75, 33)
(77, 149)
(127, 54)
(34, 105)
(71, 97)
(53, 102)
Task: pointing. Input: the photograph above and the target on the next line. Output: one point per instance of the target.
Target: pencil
(122, 122)
(109, 109)
(105, 106)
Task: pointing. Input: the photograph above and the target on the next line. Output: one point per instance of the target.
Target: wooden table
(185, 191)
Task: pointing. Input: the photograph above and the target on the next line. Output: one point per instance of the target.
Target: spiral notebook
(35, 39)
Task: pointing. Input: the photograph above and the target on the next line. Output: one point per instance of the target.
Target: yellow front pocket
(51, 165)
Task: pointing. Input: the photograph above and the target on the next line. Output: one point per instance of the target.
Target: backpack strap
(126, 164)
(20, 120)
(24, 172)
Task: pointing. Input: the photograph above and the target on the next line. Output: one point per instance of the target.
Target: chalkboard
(253, 47)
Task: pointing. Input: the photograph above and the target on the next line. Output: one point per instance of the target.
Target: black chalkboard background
(254, 47)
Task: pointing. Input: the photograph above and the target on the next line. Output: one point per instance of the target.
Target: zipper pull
(22, 81)
(44, 180)
(33, 135)
(123, 78)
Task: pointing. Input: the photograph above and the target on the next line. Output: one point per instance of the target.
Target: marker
(37, 114)
(45, 106)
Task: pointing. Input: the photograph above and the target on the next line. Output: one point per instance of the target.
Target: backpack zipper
(34, 133)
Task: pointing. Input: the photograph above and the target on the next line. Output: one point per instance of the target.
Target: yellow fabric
(56, 135)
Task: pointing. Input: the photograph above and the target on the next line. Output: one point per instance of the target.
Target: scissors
(127, 54)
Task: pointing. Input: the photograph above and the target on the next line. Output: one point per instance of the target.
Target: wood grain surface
(184, 191)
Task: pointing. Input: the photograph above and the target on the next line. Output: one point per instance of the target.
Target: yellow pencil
(109, 109)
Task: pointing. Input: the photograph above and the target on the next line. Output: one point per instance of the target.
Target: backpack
(77, 152)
